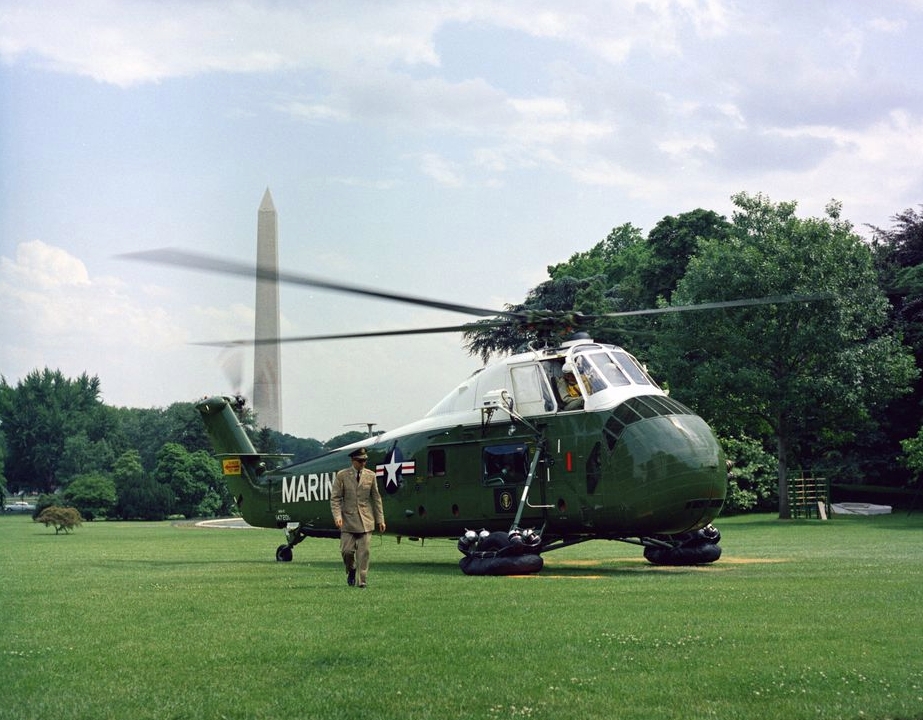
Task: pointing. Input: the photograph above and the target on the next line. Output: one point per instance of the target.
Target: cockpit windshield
(630, 366)
(604, 368)
(609, 369)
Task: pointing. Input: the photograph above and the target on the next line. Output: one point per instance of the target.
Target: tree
(82, 455)
(140, 497)
(266, 441)
(173, 471)
(146, 500)
(186, 427)
(3, 489)
(672, 242)
(899, 261)
(38, 416)
(148, 429)
(602, 279)
(346, 438)
(195, 479)
(913, 453)
(805, 374)
(127, 470)
(206, 472)
(300, 449)
(61, 518)
(93, 494)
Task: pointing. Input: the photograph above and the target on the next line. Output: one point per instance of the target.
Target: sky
(450, 150)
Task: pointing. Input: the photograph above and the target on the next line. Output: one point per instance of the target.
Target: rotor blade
(245, 342)
(776, 299)
(182, 258)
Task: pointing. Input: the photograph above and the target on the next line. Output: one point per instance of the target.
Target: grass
(800, 619)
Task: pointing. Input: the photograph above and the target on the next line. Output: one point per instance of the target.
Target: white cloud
(888, 25)
(441, 170)
(41, 267)
(128, 42)
(48, 295)
(59, 315)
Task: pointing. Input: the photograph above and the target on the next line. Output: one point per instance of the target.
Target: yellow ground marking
(639, 565)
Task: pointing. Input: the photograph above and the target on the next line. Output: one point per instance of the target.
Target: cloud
(58, 314)
(441, 170)
(49, 298)
(129, 42)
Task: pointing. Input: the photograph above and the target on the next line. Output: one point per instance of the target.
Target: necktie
(358, 476)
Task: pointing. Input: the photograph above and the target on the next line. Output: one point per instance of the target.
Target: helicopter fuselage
(508, 448)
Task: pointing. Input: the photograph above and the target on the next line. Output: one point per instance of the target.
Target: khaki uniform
(358, 503)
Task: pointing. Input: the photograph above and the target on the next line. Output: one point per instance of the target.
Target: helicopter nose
(671, 472)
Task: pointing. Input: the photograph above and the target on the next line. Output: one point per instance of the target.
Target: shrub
(752, 476)
(62, 518)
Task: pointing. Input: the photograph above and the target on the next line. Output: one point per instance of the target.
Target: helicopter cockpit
(604, 374)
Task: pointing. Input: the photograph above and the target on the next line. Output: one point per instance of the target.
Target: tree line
(60, 441)
(824, 384)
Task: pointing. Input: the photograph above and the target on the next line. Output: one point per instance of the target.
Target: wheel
(284, 553)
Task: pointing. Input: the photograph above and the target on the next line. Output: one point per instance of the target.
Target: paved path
(232, 523)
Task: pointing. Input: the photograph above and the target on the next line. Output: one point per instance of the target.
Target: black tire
(284, 553)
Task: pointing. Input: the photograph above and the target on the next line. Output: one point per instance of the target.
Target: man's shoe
(362, 585)
(351, 577)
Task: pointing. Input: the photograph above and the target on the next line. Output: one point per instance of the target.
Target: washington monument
(267, 363)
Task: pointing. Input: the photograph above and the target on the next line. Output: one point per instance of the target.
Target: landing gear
(500, 553)
(284, 553)
(698, 547)
(293, 536)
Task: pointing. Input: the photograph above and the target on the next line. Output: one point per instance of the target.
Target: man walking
(356, 506)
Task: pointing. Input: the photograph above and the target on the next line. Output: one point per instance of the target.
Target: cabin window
(435, 463)
(505, 465)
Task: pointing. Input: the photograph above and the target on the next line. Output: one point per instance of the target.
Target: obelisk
(267, 362)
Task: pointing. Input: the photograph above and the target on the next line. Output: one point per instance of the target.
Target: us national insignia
(392, 470)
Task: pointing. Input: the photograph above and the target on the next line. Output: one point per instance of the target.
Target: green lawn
(800, 619)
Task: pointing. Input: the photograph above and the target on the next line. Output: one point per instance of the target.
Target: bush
(62, 518)
(752, 476)
(93, 494)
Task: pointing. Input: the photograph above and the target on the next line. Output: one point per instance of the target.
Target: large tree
(803, 373)
(38, 416)
(899, 260)
(672, 242)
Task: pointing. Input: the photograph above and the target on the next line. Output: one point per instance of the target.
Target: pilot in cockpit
(568, 388)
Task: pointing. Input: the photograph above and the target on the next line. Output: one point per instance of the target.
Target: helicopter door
(531, 391)
(505, 469)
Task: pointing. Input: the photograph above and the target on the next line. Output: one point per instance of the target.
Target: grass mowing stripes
(800, 619)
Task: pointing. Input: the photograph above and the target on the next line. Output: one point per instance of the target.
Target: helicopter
(515, 461)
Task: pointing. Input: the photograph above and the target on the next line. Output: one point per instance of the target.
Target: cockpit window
(609, 369)
(630, 365)
(601, 372)
(602, 368)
